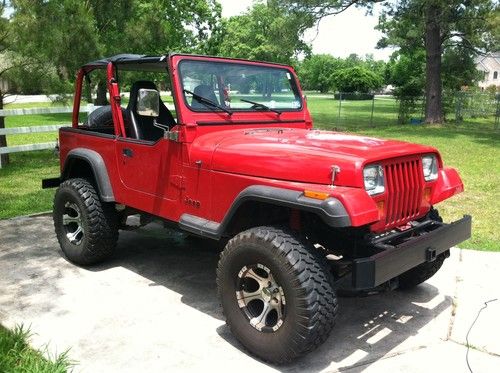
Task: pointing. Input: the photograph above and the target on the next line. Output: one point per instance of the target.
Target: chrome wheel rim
(72, 223)
(261, 298)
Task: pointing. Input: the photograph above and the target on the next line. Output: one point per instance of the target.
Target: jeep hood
(298, 154)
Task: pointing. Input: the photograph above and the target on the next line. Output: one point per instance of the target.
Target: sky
(349, 32)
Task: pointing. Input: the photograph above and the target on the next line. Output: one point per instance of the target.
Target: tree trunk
(101, 99)
(433, 85)
(4, 158)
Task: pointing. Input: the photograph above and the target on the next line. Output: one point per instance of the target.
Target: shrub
(356, 79)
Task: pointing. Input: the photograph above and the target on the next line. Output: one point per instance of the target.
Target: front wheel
(276, 293)
(86, 228)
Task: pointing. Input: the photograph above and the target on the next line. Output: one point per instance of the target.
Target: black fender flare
(331, 210)
(98, 167)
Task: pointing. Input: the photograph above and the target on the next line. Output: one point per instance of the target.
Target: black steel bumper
(394, 260)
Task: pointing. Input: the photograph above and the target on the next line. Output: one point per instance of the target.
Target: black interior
(142, 126)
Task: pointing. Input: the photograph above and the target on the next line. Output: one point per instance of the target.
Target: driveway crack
(454, 301)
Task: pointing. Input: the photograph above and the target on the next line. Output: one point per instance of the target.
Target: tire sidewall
(75, 253)
(270, 345)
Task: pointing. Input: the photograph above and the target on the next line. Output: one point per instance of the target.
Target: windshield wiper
(258, 104)
(208, 102)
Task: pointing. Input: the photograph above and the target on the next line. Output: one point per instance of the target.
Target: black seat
(143, 125)
(204, 91)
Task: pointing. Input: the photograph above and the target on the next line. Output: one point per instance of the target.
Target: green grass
(35, 120)
(21, 182)
(16, 356)
(471, 147)
(355, 114)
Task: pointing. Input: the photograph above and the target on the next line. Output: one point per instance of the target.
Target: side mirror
(148, 102)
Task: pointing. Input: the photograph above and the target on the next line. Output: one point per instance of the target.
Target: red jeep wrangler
(304, 212)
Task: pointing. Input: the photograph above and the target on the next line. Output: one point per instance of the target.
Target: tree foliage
(266, 32)
(406, 72)
(323, 8)
(15, 68)
(323, 72)
(448, 31)
(356, 79)
(463, 23)
(467, 27)
(316, 71)
(67, 33)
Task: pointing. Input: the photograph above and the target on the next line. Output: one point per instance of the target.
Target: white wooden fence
(35, 129)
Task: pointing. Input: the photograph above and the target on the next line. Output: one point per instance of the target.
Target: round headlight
(430, 167)
(373, 177)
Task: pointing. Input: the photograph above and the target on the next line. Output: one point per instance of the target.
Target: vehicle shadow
(367, 328)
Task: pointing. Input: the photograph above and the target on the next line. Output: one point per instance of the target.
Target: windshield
(238, 87)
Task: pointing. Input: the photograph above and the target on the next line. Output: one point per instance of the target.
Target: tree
(315, 72)
(320, 72)
(356, 79)
(494, 26)
(435, 25)
(14, 70)
(377, 66)
(266, 32)
(406, 72)
(87, 30)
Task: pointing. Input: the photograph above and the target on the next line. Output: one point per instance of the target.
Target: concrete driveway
(153, 308)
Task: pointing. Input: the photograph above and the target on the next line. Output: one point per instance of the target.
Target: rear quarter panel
(70, 138)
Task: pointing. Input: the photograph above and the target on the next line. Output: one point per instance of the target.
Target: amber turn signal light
(316, 195)
(427, 194)
(380, 208)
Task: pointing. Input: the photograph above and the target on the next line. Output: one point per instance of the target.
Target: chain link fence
(472, 105)
(461, 108)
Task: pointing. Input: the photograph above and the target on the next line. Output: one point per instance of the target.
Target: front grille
(404, 188)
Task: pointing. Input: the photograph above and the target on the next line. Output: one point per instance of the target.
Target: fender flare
(98, 167)
(331, 210)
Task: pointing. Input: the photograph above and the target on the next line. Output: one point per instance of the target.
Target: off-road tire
(311, 303)
(102, 117)
(420, 273)
(99, 222)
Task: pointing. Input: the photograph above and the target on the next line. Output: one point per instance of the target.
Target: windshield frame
(294, 85)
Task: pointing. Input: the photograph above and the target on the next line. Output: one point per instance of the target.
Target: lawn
(16, 356)
(20, 183)
(472, 147)
(355, 114)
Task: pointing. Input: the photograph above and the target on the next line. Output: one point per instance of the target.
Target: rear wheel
(276, 294)
(86, 228)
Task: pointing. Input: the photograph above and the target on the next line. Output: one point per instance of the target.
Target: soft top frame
(141, 62)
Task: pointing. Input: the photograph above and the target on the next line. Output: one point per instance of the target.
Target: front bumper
(430, 240)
